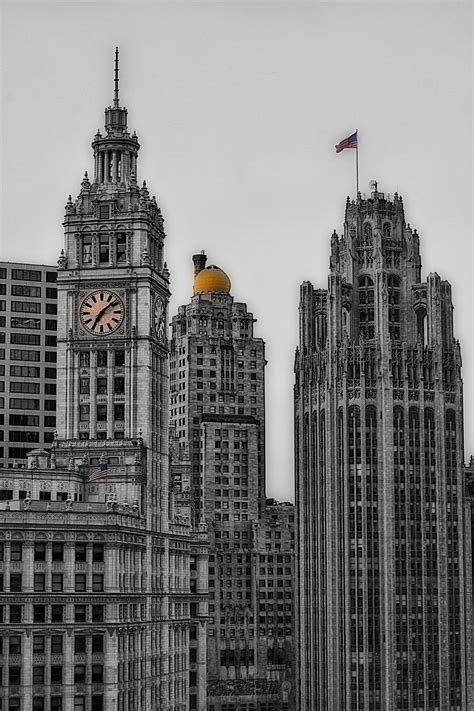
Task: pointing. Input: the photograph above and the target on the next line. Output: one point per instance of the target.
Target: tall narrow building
(96, 592)
(217, 390)
(379, 476)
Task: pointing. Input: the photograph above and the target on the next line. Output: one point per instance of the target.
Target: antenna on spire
(116, 80)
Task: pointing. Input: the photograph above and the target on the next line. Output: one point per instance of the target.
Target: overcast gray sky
(238, 107)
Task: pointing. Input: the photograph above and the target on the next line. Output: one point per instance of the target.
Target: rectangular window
(56, 701)
(38, 644)
(26, 275)
(80, 613)
(121, 247)
(40, 551)
(101, 359)
(81, 552)
(16, 613)
(15, 582)
(57, 644)
(79, 644)
(39, 582)
(38, 676)
(97, 674)
(18, 354)
(119, 411)
(97, 613)
(39, 613)
(25, 322)
(57, 552)
(104, 211)
(98, 552)
(16, 551)
(98, 583)
(51, 308)
(80, 582)
(57, 613)
(101, 386)
(26, 290)
(84, 413)
(24, 387)
(23, 403)
(56, 676)
(15, 644)
(97, 643)
(101, 413)
(50, 357)
(79, 703)
(14, 676)
(25, 339)
(50, 341)
(27, 307)
(50, 372)
(24, 371)
(57, 582)
(87, 250)
(51, 325)
(79, 674)
(119, 386)
(104, 250)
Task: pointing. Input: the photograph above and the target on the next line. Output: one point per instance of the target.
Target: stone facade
(105, 585)
(379, 477)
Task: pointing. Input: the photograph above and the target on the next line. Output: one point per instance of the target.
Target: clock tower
(113, 291)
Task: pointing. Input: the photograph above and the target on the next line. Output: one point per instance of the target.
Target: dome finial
(116, 79)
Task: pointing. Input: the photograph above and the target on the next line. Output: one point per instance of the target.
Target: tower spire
(116, 79)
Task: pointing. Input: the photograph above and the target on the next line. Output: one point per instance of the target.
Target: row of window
(28, 371)
(29, 307)
(29, 291)
(101, 412)
(101, 386)
(13, 644)
(23, 403)
(35, 356)
(56, 551)
(29, 339)
(55, 704)
(27, 275)
(52, 613)
(30, 387)
(57, 582)
(103, 358)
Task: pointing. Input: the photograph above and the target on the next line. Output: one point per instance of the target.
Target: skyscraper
(379, 476)
(28, 323)
(96, 595)
(217, 391)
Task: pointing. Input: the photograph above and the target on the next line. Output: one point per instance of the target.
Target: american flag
(99, 473)
(349, 142)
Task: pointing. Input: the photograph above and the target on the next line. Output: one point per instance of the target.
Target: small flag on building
(349, 142)
(99, 473)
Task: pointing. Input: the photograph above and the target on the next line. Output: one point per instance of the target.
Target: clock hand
(99, 315)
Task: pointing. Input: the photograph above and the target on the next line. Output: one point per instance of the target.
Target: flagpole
(357, 164)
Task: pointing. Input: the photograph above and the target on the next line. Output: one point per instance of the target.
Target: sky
(238, 107)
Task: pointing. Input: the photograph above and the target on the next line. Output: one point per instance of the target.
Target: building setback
(217, 400)
(28, 324)
(97, 602)
(379, 477)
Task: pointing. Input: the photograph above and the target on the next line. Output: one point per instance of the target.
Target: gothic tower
(113, 291)
(379, 476)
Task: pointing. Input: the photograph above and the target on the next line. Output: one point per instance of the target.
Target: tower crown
(115, 153)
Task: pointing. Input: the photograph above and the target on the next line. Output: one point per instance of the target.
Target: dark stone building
(379, 477)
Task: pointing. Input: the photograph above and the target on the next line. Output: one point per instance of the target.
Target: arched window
(321, 330)
(366, 307)
(368, 233)
(121, 248)
(387, 229)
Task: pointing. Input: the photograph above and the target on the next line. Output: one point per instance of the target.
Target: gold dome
(211, 279)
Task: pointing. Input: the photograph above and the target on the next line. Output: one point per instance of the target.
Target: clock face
(102, 312)
(159, 318)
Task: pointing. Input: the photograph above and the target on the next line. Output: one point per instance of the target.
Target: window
(38, 644)
(26, 275)
(84, 359)
(57, 644)
(39, 613)
(57, 552)
(50, 373)
(97, 613)
(97, 703)
(104, 249)
(79, 674)
(98, 583)
(24, 371)
(49, 421)
(97, 674)
(80, 582)
(79, 644)
(104, 211)
(119, 358)
(38, 675)
(79, 703)
(15, 548)
(57, 613)
(26, 290)
(87, 250)
(84, 413)
(119, 386)
(98, 552)
(121, 251)
(101, 359)
(101, 386)
(15, 644)
(45, 496)
(15, 582)
(51, 324)
(57, 582)
(56, 675)
(80, 613)
(25, 339)
(97, 643)
(14, 676)
(119, 411)
(81, 552)
(50, 357)
(38, 703)
(101, 413)
(14, 704)
(28, 307)
(40, 551)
